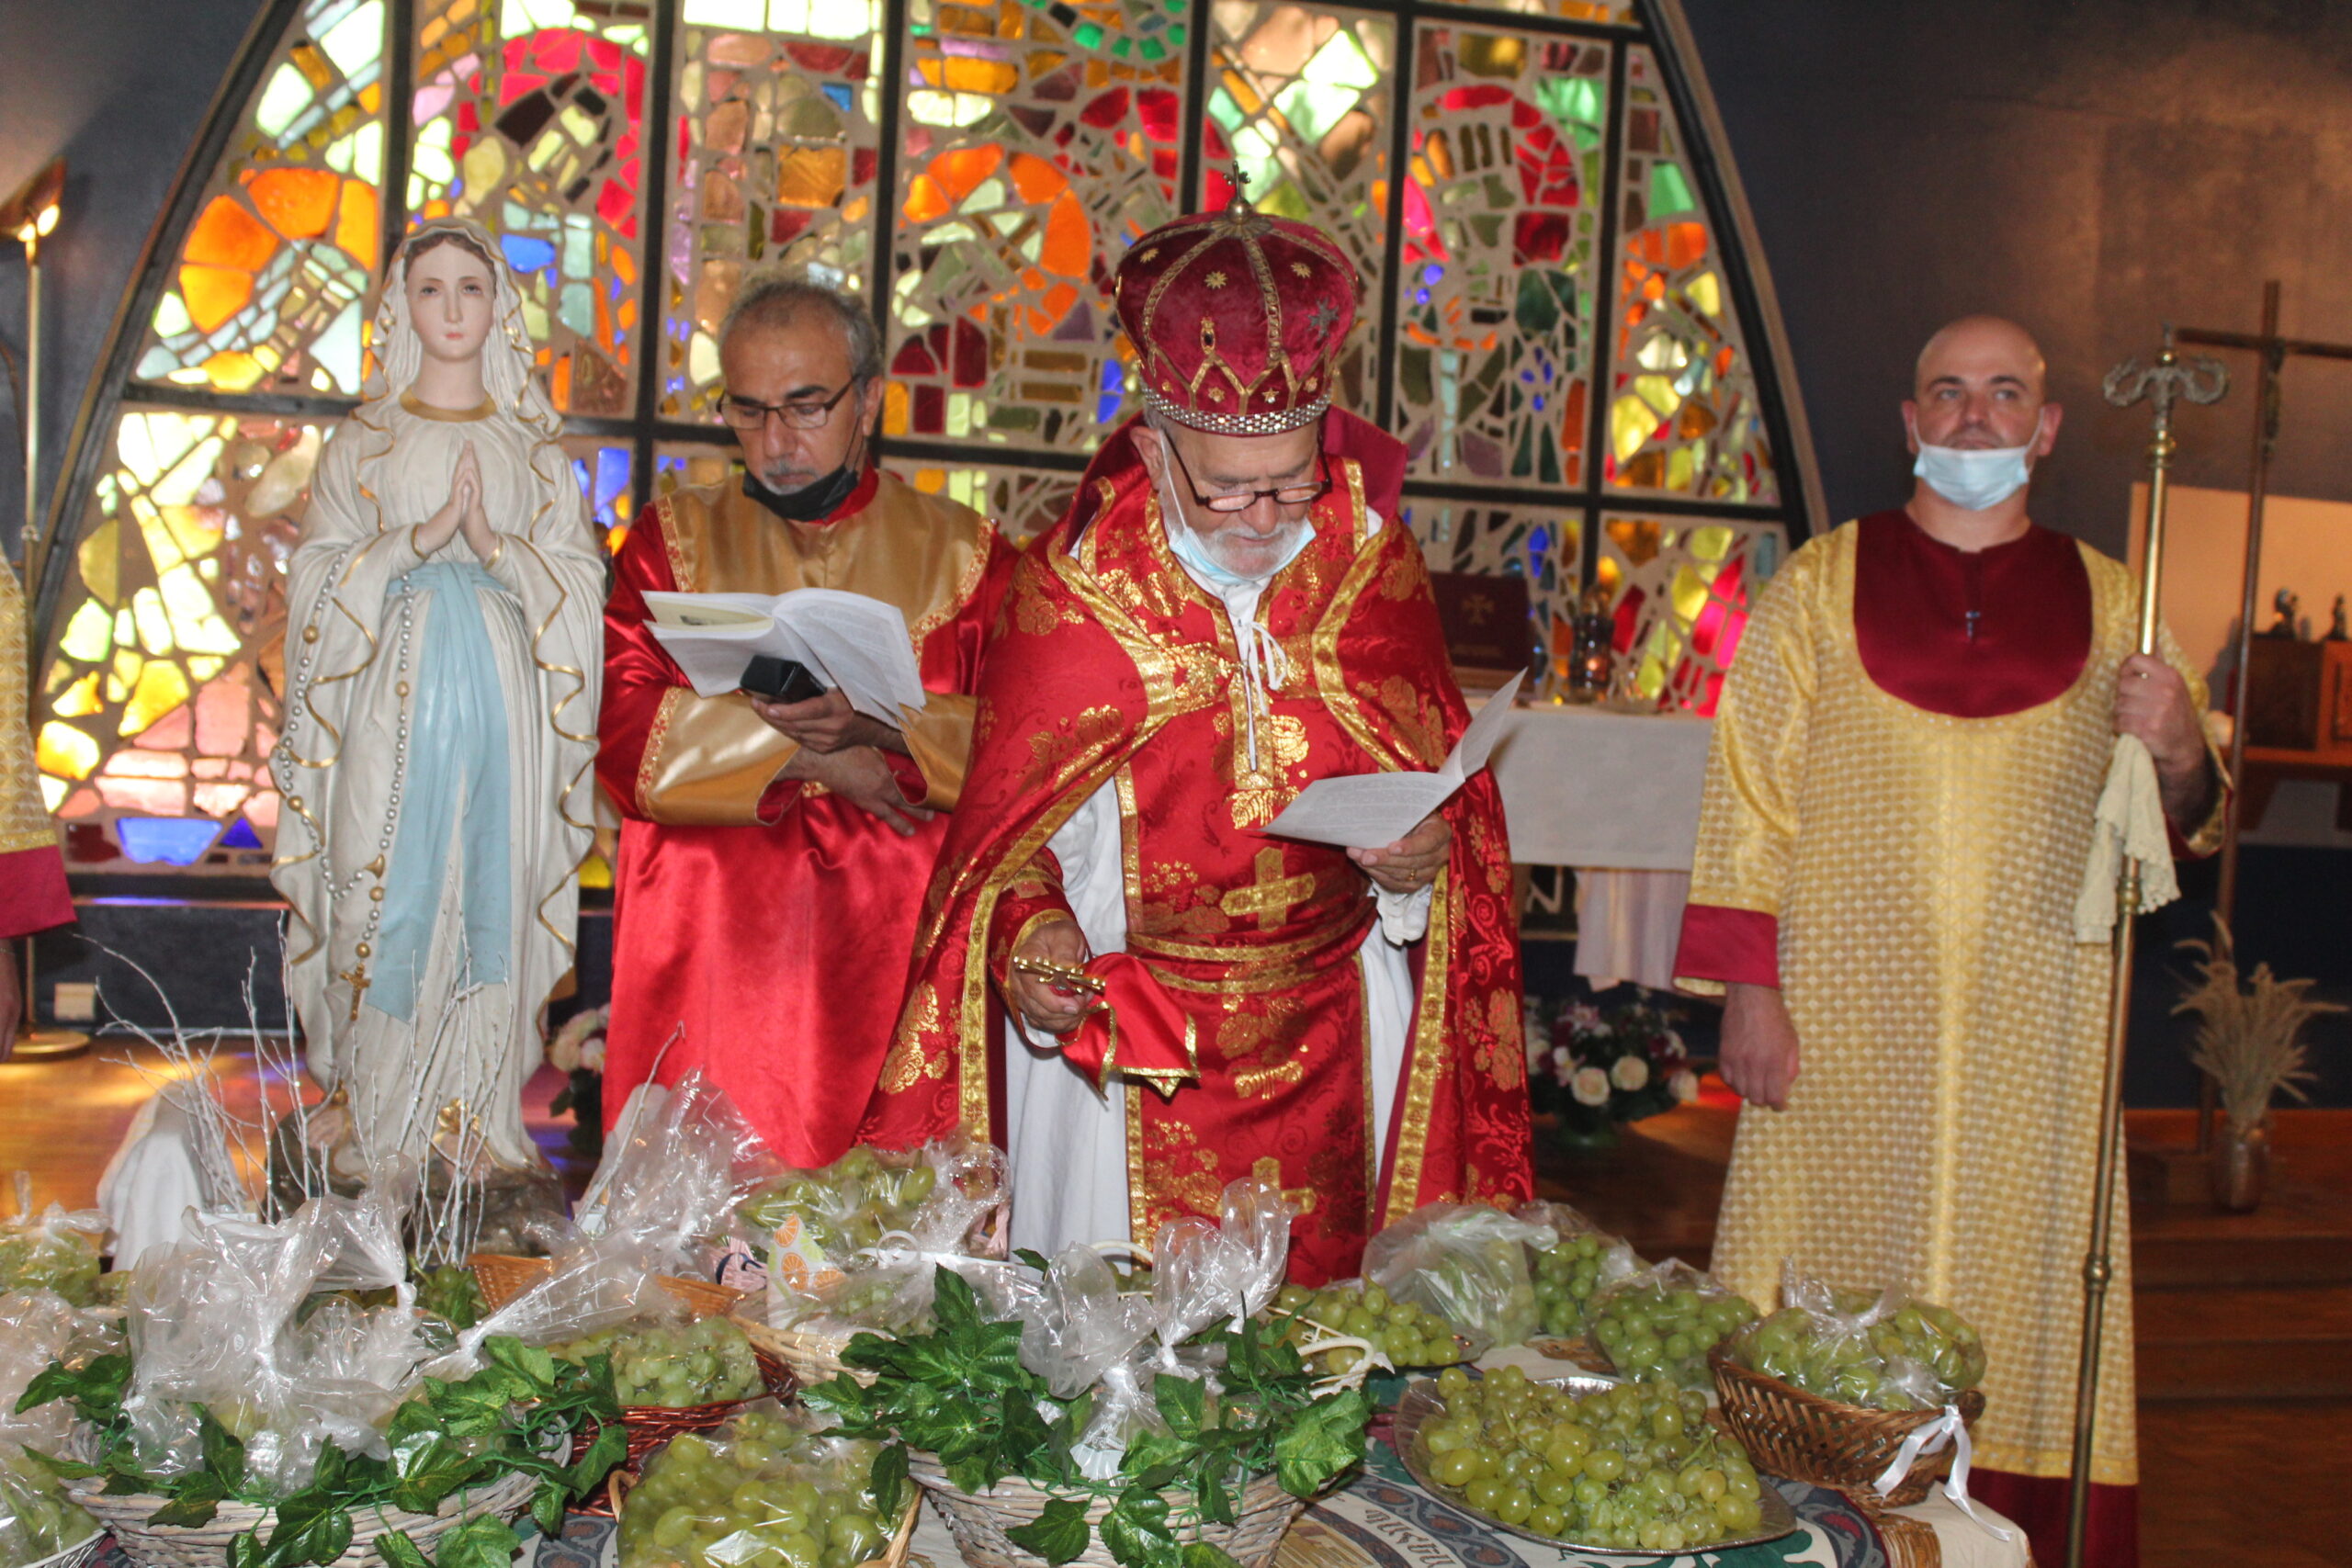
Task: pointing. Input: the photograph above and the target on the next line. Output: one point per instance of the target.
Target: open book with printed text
(847, 640)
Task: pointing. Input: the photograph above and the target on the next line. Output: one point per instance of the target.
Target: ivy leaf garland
(961, 1393)
(446, 1438)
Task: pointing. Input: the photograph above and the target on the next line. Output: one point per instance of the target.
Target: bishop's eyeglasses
(805, 414)
(1302, 494)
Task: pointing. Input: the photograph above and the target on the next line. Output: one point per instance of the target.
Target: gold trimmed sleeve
(708, 760)
(939, 741)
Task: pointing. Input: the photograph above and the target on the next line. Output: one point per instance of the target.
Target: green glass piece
(1224, 111)
(1539, 306)
(287, 95)
(1087, 35)
(1154, 50)
(1669, 192)
(1122, 47)
(1175, 30)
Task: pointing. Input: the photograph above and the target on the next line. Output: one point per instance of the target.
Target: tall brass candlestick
(2201, 380)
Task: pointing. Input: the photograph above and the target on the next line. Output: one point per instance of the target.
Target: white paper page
(863, 646)
(712, 643)
(1370, 811)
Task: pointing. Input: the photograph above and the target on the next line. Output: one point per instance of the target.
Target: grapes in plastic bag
(52, 1250)
(673, 1363)
(762, 1490)
(1880, 1349)
(1572, 1270)
(37, 1519)
(1467, 1263)
(1408, 1333)
(1661, 1322)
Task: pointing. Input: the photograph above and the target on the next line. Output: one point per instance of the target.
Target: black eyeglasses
(1241, 500)
(808, 415)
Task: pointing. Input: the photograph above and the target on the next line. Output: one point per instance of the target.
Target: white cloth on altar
(1068, 1142)
(1628, 925)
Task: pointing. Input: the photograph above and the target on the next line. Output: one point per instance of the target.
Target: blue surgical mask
(1190, 548)
(1980, 480)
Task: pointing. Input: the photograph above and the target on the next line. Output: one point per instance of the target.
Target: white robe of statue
(440, 736)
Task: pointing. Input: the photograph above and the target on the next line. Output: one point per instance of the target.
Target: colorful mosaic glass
(776, 160)
(1502, 219)
(1681, 588)
(269, 291)
(160, 696)
(1614, 13)
(1545, 546)
(529, 118)
(1037, 143)
(1299, 107)
(1684, 415)
(1019, 501)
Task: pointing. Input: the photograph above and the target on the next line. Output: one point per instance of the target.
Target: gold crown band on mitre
(1273, 424)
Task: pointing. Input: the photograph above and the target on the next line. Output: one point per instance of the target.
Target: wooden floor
(2223, 1479)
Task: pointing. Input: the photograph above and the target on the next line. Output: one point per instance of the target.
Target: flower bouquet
(1608, 1067)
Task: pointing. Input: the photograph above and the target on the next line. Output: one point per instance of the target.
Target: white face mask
(1977, 480)
(1202, 555)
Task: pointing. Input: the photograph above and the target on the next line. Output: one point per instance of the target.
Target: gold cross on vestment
(1271, 897)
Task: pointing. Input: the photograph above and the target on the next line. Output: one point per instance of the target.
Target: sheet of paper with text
(1370, 811)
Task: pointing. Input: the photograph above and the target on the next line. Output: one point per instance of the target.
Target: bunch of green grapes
(673, 1365)
(1409, 1336)
(759, 1493)
(848, 1204)
(37, 1519)
(1566, 1277)
(35, 1257)
(1867, 1368)
(1658, 1331)
(1635, 1467)
(450, 1293)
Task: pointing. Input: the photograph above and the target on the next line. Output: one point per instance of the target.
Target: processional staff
(2162, 384)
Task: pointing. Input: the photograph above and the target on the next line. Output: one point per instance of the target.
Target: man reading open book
(772, 855)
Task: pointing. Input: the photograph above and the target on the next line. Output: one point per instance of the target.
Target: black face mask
(813, 502)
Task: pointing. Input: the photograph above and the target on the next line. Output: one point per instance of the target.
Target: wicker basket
(894, 1555)
(503, 1278)
(811, 1355)
(1803, 1437)
(207, 1546)
(979, 1520)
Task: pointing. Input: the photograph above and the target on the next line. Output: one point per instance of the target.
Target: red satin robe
(763, 923)
(1111, 666)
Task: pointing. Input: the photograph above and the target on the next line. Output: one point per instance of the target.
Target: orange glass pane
(1070, 241)
(1686, 244)
(960, 171)
(298, 203)
(214, 294)
(970, 74)
(1036, 180)
(925, 201)
(812, 177)
(227, 235)
(356, 225)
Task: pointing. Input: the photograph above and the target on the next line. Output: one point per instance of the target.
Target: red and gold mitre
(1237, 318)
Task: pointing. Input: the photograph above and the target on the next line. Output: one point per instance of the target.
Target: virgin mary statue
(444, 647)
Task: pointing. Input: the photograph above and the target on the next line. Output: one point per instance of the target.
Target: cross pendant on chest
(1273, 896)
(1972, 617)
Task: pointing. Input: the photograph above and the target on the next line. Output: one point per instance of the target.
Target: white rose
(1630, 1073)
(1590, 1087)
(1683, 1085)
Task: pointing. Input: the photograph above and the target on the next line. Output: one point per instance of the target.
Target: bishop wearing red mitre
(1230, 610)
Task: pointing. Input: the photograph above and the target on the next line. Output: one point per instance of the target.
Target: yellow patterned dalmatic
(32, 875)
(1943, 1128)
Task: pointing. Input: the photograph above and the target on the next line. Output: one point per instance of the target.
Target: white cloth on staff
(2130, 823)
(153, 1192)
(1628, 925)
(1068, 1142)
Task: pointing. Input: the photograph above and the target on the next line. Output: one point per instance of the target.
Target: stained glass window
(1558, 319)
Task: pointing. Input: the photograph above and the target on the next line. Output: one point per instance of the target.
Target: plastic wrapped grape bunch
(1635, 1467)
(37, 1519)
(1661, 1322)
(1465, 1262)
(762, 1490)
(52, 1250)
(848, 1204)
(1408, 1333)
(1875, 1349)
(1568, 1275)
(673, 1365)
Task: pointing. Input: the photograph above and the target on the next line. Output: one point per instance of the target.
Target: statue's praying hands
(462, 512)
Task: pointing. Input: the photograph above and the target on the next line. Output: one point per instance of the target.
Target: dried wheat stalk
(2249, 1031)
